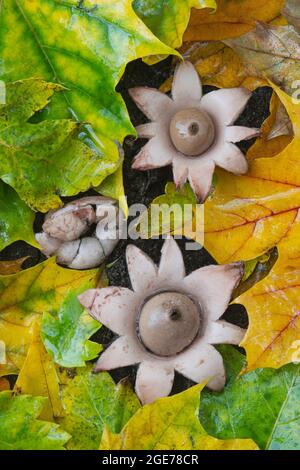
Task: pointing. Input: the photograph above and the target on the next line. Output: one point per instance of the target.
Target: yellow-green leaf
(38, 159)
(168, 19)
(16, 219)
(22, 430)
(26, 296)
(91, 402)
(85, 46)
(38, 377)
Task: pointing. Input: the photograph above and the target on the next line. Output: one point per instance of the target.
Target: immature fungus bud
(70, 222)
(65, 232)
(168, 323)
(192, 131)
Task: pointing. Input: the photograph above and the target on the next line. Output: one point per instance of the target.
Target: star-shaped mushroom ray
(119, 308)
(200, 362)
(169, 138)
(200, 178)
(114, 307)
(142, 271)
(212, 286)
(151, 102)
(171, 267)
(225, 105)
(124, 351)
(186, 85)
(155, 154)
(154, 380)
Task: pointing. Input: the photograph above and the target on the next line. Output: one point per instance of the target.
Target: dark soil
(143, 187)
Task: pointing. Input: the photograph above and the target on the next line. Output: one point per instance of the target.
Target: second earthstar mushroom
(191, 132)
(168, 321)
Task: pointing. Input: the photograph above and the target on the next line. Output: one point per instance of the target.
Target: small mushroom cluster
(169, 321)
(191, 132)
(66, 232)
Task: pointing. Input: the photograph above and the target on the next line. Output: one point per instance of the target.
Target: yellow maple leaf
(25, 296)
(232, 18)
(246, 216)
(170, 423)
(38, 377)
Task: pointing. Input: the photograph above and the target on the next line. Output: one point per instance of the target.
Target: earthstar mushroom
(193, 133)
(65, 232)
(168, 321)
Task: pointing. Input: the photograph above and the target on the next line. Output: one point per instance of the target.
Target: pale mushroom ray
(168, 321)
(191, 132)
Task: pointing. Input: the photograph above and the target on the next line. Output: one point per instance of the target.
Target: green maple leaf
(21, 429)
(66, 333)
(262, 405)
(16, 219)
(84, 46)
(91, 402)
(44, 159)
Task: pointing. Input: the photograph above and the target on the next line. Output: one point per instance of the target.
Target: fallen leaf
(16, 219)
(167, 214)
(66, 332)
(273, 51)
(231, 19)
(168, 424)
(4, 384)
(168, 19)
(276, 132)
(113, 187)
(22, 430)
(84, 45)
(12, 266)
(292, 13)
(246, 216)
(38, 377)
(261, 405)
(38, 158)
(26, 296)
(92, 401)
